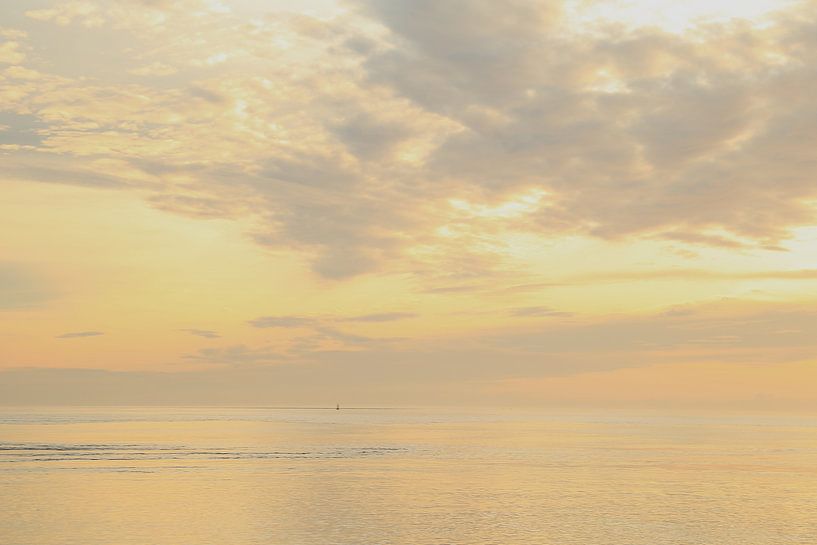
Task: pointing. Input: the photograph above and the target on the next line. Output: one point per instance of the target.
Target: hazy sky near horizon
(409, 201)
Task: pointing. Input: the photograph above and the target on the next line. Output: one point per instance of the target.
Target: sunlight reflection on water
(408, 476)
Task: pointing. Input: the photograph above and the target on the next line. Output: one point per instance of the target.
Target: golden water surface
(171, 476)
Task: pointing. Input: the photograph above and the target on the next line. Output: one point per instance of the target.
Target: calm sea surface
(403, 476)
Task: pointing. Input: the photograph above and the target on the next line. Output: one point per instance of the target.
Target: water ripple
(39, 452)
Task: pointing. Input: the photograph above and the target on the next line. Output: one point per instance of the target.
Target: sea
(413, 476)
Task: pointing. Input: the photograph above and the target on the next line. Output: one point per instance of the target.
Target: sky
(556, 203)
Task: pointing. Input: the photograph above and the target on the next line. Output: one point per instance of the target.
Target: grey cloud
(340, 262)
(625, 276)
(348, 338)
(282, 321)
(450, 54)
(538, 312)
(380, 317)
(22, 287)
(698, 274)
(159, 168)
(307, 321)
(20, 129)
(321, 206)
(360, 45)
(713, 134)
(325, 173)
(673, 332)
(687, 120)
(158, 4)
(205, 333)
(434, 373)
(467, 288)
(707, 332)
(206, 94)
(356, 377)
(236, 355)
(195, 207)
(701, 138)
(461, 371)
(704, 239)
(321, 329)
(80, 334)
(47, 168)
(369, 138)
(530, 287)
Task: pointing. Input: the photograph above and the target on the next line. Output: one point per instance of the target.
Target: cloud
(538, 312)
(626, 276)
(449, 54)
(236, 355)
(282, 321)
(460, 151)
(380, 317)
(786, 386)
(324, 336)
(10, 53)
(80, 334)
(154, 69)
(37, 167)
(310, 321)
(20, 129)
(676, 129)
(65, 13)
(465, 288)
(205, 333)
(332, 333)
(726, 331)
(22, 287)
(463, 368)
(346, 140)
(730, 330)
(12, 46)
(689, 274)
(370, 138)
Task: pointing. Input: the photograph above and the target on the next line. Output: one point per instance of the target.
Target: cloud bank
(348, 138)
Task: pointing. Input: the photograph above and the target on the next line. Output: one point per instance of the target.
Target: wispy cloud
(380, 317)
(324, 334)
(282, 321)
(22, 287)
(80, 334)
(314, 321)
(538, 312)
(235, 355)
(696, 274)
(205, 333)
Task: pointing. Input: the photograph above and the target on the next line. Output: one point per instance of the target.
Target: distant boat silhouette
(338, 407)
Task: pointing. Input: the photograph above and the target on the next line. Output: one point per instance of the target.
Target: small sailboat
(337, 408)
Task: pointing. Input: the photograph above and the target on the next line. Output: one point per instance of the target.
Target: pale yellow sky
(408, 201)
